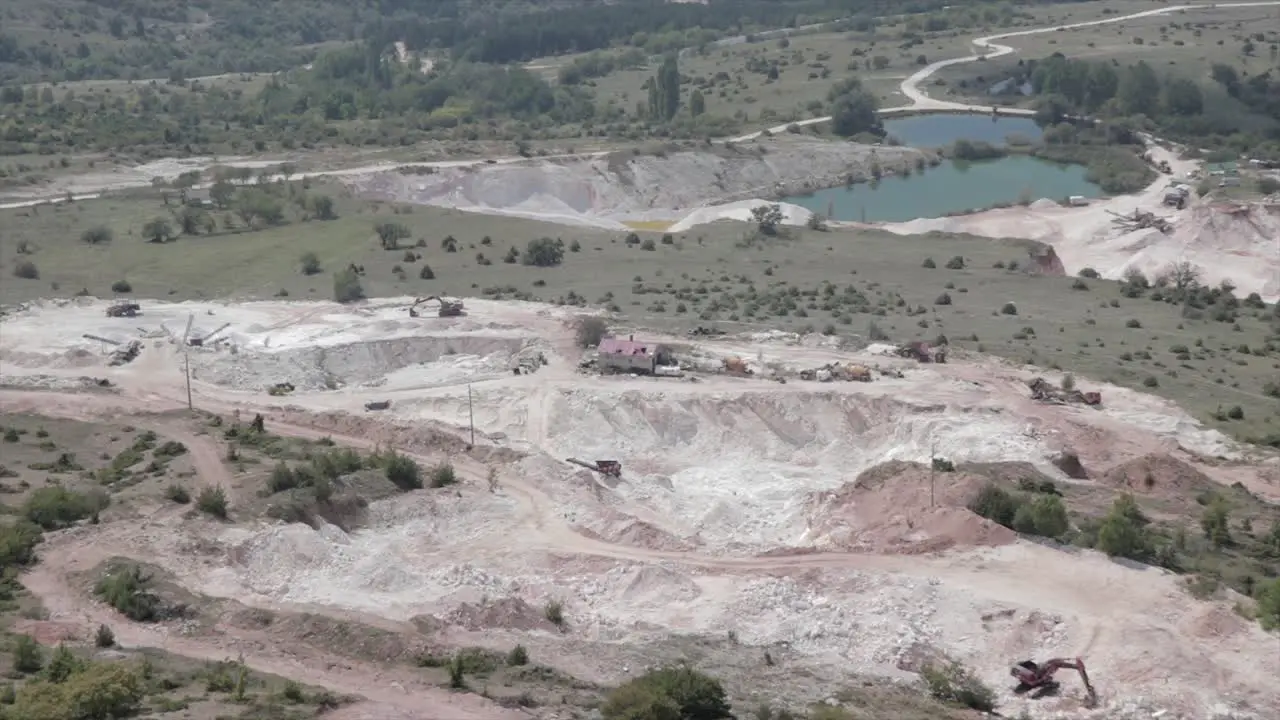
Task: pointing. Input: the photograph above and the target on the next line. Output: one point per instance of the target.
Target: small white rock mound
(740, 211)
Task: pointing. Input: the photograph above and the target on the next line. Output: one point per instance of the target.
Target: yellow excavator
(446, 307)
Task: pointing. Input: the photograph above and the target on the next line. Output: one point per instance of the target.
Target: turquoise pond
(953, 186)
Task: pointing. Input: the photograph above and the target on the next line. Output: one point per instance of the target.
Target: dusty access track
(733, 512)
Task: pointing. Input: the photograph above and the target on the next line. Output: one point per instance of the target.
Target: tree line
(1222, 109)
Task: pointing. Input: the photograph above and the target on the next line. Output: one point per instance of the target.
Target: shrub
(426, 273)
(310, 263)
(1049, 516)
(1009, 309)
(1133, 323)
(442, 475)
(554, 612)
(518, 656)
(27, 656)
(128, 590)
(590, 331)
(1269, 604)
(956, 263)
(56, 507)
(95, 691)
(649, 245)
(575, 246)
(213, 501)
(97, 235)
(544, 252)
(17, 543)
(282, 478)
(511, 257)
(996, 504)
(402, 471)
(1089, 273)
(1068, 382)
(347, 287)
(26, 269)
(104, 638)
(1235, 412)
(177, 494)
(677, 692)
(1150, 381)
(1216, 522)
(457, 681)
(1121, 533)
(1079, 284)
(928, 263)
(943, 299)
(62, 665)
(954, 683)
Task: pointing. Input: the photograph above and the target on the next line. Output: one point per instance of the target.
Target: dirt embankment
(630, 185)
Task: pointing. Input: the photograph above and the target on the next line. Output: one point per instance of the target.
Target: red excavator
(1039, 677)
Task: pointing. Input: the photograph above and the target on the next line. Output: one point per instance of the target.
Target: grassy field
(1185, 43)
(839, 281)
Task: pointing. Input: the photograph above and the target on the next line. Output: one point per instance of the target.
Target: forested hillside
(85, 39)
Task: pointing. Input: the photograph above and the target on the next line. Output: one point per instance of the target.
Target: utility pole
(471, 415)
(933, 450)
(187, 363)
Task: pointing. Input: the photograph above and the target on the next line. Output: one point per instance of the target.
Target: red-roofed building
(627, 355)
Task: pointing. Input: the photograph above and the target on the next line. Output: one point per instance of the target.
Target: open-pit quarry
(799, 518)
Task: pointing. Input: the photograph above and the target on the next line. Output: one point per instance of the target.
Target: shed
(627, 355)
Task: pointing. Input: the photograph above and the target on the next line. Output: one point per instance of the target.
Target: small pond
(940, 130)
(953, 186)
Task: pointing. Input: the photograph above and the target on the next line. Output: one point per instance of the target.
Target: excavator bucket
(1088, 686)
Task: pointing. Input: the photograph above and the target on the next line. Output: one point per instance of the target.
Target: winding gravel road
(920, 101)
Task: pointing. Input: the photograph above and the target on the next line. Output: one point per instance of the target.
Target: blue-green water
(953, 186)
(940, 130)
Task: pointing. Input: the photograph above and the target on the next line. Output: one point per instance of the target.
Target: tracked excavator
(445, 306)
(1038, 677)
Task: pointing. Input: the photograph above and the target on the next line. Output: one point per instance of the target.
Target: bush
(56, 507)
(97, 235)
(310, 263)
(403, 472)
(1121, 533)
(590, 331)
(442, 475)
(544, 252)
(282, 478)
(1049, 517)
(943, 299)
(1235, 412)
(1009, 309)
(347, 287)
(26, 269)
(104, 638)
(1089, 273)
(1132, 323)
(18, 542)
(1150, 381)
(177, 494)
(518, 656)
(996, 504)
(928, 263)
(128, 590)
(1269, 604)
(213, 501)
(956, 263)
(95, 691)
(1079, 284)
(27, 656)
(426, 273)
(954, 683)
(554, 612)
(679, 693)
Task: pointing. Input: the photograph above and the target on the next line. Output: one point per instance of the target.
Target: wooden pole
(933, 453)
(471, 416)
(187, 363)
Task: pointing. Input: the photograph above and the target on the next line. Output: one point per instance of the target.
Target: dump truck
(123, 309)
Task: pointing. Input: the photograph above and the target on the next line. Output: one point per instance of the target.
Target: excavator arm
(1031, 675)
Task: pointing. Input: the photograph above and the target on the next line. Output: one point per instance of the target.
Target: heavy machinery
(922, 352)
(446, 307)
(123, 309)
(612, 468)
(1039, 677)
